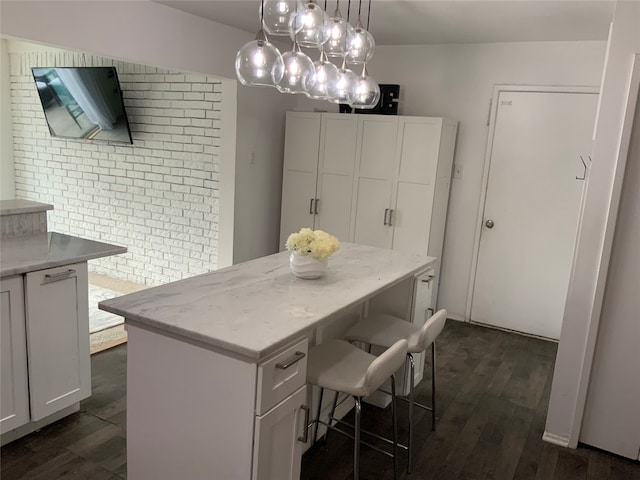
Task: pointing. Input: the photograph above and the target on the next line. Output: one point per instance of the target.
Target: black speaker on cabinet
(388, 103)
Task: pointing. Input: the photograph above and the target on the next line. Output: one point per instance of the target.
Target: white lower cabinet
(14, 406)
(45, 345)
(196, 412)
(280, 435)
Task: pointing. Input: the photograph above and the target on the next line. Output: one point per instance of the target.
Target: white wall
(7, 184)
(152, 34)
(457, 81)
(612, 422)
(158, 197)
(591, 260)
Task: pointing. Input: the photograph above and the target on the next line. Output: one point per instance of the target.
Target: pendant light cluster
(260, 63)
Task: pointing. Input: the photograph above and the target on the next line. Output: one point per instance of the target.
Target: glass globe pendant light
(345, 86)
(309, 26)
(361, 45)
(339, 33)
(276, 15)
(366, 91)
(299, 72)
(259, 63)
(326, 79)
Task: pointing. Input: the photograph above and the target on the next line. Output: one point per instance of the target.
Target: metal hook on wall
(584, 175)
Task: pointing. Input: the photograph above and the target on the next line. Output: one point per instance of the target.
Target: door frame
(493, 114)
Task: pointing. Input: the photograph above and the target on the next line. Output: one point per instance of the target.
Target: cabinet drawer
(282, 375)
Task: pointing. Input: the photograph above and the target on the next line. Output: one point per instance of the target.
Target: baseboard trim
(555, 439)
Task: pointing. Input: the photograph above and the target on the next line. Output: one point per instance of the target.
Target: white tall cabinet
(378, 180)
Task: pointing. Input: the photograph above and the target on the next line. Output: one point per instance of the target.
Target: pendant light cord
(368, 16)
(261, 14)
(348, 10)
(359, 8)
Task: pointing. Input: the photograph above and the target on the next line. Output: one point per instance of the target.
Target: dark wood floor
(493, 394)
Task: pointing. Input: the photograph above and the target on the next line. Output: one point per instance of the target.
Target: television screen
(83, 102)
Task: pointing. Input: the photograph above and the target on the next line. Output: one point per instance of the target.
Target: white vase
(304, 266)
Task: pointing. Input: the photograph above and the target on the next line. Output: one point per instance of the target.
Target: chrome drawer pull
(287, 363)
(305, 436)
(52, 277)
(428, 279)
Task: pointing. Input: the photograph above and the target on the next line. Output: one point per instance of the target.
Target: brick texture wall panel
(158, 197)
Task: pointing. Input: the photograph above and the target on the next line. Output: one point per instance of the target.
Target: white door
(14, 391)
(338, 141)
(417, 163)
(57, 313)
(301, 147)
(277, 444)
(531, 209)
(374, 180)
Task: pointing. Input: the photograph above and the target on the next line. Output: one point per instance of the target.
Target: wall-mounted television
(83, 103)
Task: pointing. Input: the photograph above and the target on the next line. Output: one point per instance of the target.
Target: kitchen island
(216, 367)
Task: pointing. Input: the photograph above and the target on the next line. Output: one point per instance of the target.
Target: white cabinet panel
(302, 141)
(418, 145)
(277, 449)
(57, 321)
(298, 195)
(334, 204)
(372, 206)
(338, 143)
(412, 217)
(14, 400)
(378, 146)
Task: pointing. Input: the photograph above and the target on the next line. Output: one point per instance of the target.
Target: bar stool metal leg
(332, 414)
(411, 403)
(394, 417)
(356, 440)
(433, 386)
(317, 425)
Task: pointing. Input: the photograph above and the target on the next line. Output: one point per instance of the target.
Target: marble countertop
(14, 207)
(255, 307)
(47, 250)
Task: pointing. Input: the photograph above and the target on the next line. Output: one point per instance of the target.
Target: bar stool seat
(339, 366)
(382, 330)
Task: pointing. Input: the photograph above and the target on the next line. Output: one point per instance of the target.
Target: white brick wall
(158, 197)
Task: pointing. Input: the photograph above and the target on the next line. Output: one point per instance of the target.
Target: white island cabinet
(216, 366)
(46, 367)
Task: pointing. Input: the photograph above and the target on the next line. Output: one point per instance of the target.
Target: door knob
(489, 223)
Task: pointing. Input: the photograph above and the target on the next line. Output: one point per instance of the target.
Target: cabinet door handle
(391, 217)
(311, 206)
(287, 363)
(386, 211)
(428, 279)
(54, 277)
(305, 435)
(315, 208)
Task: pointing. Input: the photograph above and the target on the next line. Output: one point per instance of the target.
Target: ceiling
(420, 22)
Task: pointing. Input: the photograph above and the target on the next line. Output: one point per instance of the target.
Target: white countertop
(19, 206)
(255, 307)
(46, 250)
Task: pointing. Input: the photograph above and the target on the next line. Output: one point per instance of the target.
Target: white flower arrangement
(314, 243)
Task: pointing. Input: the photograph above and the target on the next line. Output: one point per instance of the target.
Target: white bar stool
(382, 330)
(339, 366)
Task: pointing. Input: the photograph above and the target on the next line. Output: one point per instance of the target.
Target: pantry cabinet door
(374, 180)
(414, 182)
(57, 319)
(338, 143)
(301, 150)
